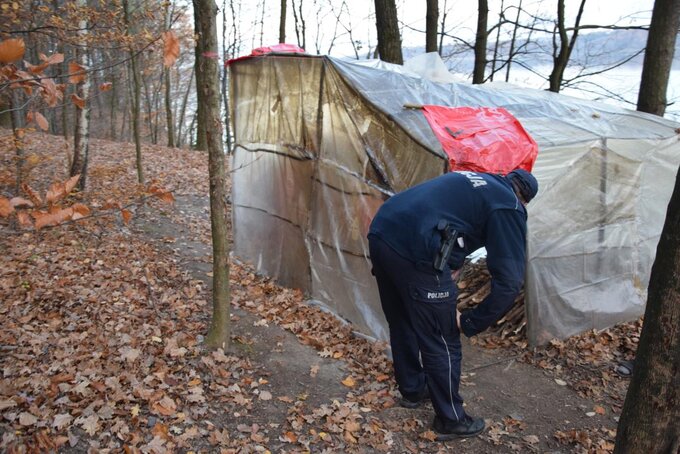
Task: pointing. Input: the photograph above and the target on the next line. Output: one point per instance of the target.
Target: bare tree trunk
(149, 103)
(443, 29)
(389, 40)
(18, 133)
(225, 75)
(168, 89)
(480, 42)
(182, 111)
(561, 58)
(431, 19)
(207, 83)
(501, 18)
(136, 98)
(282, 22)
(650, 419)
(81, 136)
(201, 139)
(659, 56)
(511, 52)
(113, 97)
(299, 18)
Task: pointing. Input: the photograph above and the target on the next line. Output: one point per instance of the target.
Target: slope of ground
(103, 321)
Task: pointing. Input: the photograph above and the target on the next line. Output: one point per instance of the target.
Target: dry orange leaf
(32, 194)
(79, 211)
(6, 207)
(106, 86)
(12, 50)
(24, 219)
(37, 69)
(428, 435)
(39, 119)
(43, 219)
(170, 48)
(599, 410)
(52, 59)
(59, 190)
(20, 202)
(290, 437)
(77, 73)
(126, 215)
(166, 406)
(349, 382)
(78, 101)
(166, 197)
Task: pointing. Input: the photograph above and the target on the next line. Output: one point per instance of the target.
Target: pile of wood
(474, 285)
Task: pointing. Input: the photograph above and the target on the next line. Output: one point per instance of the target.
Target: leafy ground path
(524, 408)
(103, 319)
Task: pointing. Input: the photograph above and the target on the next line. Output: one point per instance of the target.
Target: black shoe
(448, 430)
(414, 400)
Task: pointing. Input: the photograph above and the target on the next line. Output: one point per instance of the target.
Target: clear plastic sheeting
(320, 143)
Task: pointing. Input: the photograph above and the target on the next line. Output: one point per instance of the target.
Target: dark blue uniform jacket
(484, 210)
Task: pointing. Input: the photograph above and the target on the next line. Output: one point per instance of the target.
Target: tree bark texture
(136, 100)
(431, 19)
(18, 134)
(659, 56)
(282, 22)
(389, 40)
(81, 136)
(566, 46)
(168, 109)
(480, 42)
(650, 419)
(201, 140)
(207, 87)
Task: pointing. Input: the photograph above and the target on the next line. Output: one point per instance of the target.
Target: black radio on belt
(449, 236)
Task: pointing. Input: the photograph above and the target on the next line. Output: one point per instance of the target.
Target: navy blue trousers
(420, 307)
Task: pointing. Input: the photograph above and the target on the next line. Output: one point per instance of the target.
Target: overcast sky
(461, 19)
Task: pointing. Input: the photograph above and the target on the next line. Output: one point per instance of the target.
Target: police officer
(416, 240)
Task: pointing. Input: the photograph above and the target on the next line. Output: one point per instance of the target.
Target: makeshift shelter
(320, 143)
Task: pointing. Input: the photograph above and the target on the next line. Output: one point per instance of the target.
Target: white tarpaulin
(320, 143)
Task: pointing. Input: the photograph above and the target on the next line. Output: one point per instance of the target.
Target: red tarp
(275, 49)
(483, 139)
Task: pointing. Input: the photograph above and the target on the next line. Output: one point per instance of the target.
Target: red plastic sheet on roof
(275, 49)
(482, 139)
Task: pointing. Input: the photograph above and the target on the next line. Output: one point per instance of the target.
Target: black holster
(449, 236)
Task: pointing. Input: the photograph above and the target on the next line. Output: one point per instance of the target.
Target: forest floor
(103, 320)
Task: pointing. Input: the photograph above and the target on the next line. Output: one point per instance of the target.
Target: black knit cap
(525, 183)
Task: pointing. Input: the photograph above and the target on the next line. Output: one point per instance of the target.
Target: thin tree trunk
(650, 419)
(659, 57)
(168, 89)
(207, 84)
(18, 133)
(443, 30)
(561, 59)
(496, 45)
(282, 22)
(225, 76)
(149, 103)
(387, 24)
(480, 42)
(81, 136)
(201, 139)
(136, 98)
(431, 19)
(180, 122)
(511, 52)
(113, 97)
